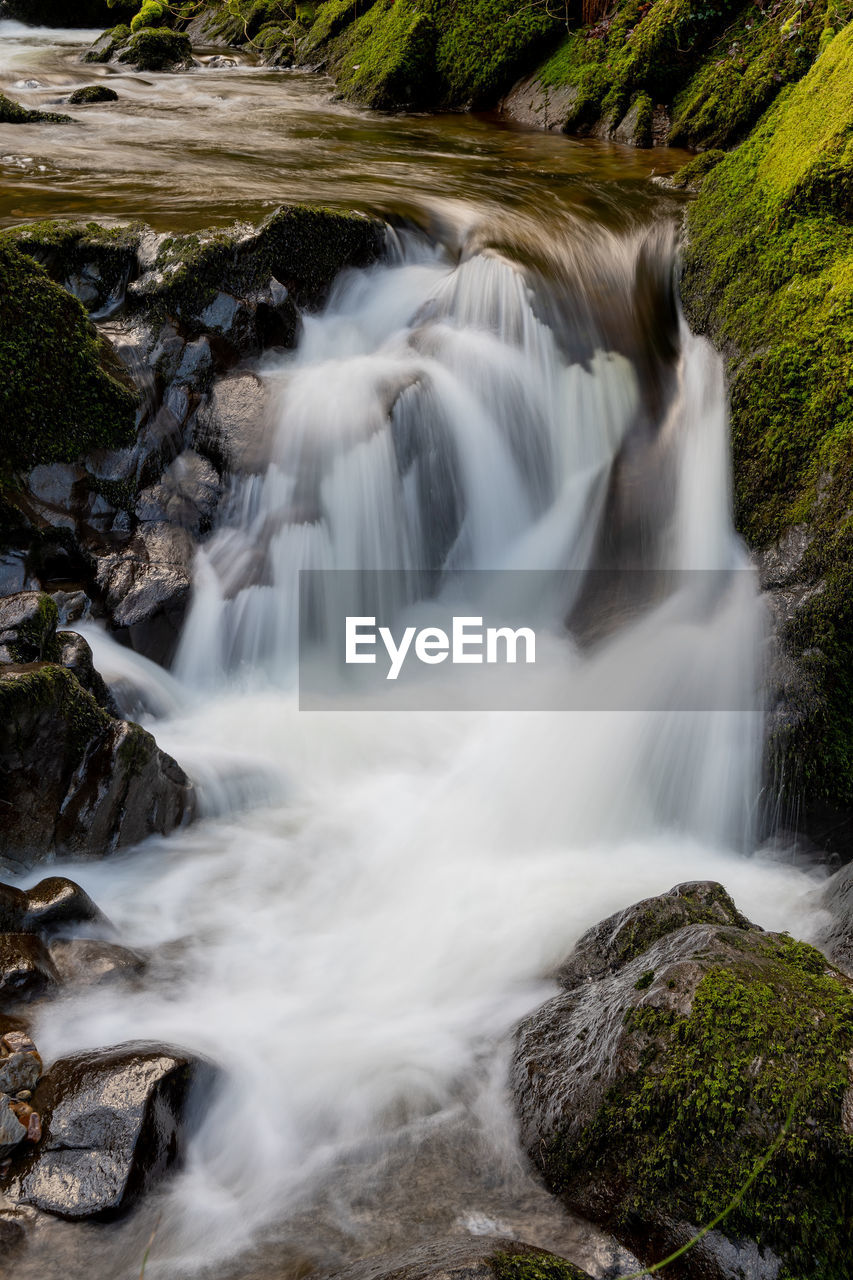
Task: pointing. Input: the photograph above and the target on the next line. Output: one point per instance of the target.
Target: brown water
(183, 151)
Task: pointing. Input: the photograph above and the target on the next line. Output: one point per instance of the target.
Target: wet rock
(26, 969)
(85, 962)
(836, 937)
(479, 1258)
(148, 586)
(157, 49)
(91, 262)
(57, 904)
(187, 495)
(75, 654)
(685, 1044)
(74, 779)
(12, 1131)
(28, 627)
(92, 93)
(539, 106)
(114, 1123)
(231, 426)
(13, 113)
(20, 1064)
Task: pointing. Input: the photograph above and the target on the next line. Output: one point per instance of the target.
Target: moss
(769, 276)
(690, 176)
(655, 919)
(302, 246)
(645, 980)
(534, 1266)
(13, 113)
(157, 49)
(51, 687)
(109, 46)
(92, 93)
(67, 249)
(714, 1090)
(152, 14)
(389, 57)
(62, 391)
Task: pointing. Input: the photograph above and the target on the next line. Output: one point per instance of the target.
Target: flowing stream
(373, 898)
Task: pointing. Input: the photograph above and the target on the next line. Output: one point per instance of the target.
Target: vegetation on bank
(769, 276)
(62, 389)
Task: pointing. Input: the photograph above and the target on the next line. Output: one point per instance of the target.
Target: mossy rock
(302, 246)
(71, 252)
(92, 93)
(768, 275)
(157, 49)
(691, 175)
(62, 389)
(28, 623)
(73, 778)
(13, 113)
(703, 1074)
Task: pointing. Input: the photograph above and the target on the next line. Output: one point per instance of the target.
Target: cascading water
(355, 942)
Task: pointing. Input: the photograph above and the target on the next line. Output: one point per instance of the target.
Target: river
(374, 897)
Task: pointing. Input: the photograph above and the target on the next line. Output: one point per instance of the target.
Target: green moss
(62, 391)
(769, 275)
(48, 687)
(713, 1092)
(36, 637)
(388, 59)
(689, 177)
(152, 14)
(645, 980)
(157, 49)
(534, 1266)
(651, 921)
(67, 248)
(92, 93)
(13, 113)
(109, 46)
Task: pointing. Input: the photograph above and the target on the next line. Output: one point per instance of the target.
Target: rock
(75, 654)
(187, 495)
(231, 426)
(91, 262)
(114, 1122)
(84, 962)
(635, 128)
(157, 49)
(26, 969)
(58, 904)
(837, 935)
(685, 1044)
(20, 1064)
(539, 106)
(92, 93)
(12, 1131)
(147, 588)
(477, 1258)
(74, 779)
(28, 627)
(13, 113)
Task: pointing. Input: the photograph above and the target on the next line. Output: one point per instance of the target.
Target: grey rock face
(26, 969)
(27, 627)
(231, 426)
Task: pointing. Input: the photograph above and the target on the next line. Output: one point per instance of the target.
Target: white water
(355, 944)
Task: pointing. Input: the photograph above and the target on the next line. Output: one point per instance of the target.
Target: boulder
(114, 1122)
(26, 969)
(12, 1131)
(74, 779)
(51, 906)
(92, 93)
(84, 962)
(186, 495)
(75, 654)
(28, 628)
(156, 49)
(147, 587)
(687, 1050)
(12, 112)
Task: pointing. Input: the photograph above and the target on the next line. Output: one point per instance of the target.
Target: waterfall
(354, 940)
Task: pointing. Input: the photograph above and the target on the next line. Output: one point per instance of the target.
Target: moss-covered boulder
(62, 389)
(92, 93)
(28, 622)
(90, 261)
(157, 49)
(75, 780)
(768, 275)
(695, 1066)
(12, 112)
